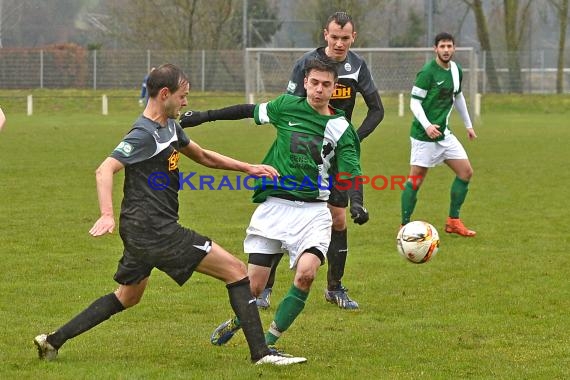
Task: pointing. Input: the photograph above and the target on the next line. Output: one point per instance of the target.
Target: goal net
(394, 70)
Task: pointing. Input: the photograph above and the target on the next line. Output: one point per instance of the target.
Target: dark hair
(166, 75)
(443, 36)
(321, 64)
(341, 18)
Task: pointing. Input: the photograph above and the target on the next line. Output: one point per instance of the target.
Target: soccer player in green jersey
(313, 140)
(354, 77)
(436, 91)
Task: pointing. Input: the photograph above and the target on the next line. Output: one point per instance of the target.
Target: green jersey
(436, 88)
(308, 147)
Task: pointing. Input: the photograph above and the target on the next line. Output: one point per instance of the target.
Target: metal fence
(222, 70)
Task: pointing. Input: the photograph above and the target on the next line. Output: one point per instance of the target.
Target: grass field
(492, 307)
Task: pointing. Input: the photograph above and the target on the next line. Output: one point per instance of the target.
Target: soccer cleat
(456, 226)
(264, 301)
(45, 350)
(341, 298)
(280, 359)
(224, 332)
(275, 351)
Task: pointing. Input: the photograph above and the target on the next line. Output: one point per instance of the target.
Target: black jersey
(353, 77)
(150, 192)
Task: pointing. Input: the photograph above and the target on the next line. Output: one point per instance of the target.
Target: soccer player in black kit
(149, 228)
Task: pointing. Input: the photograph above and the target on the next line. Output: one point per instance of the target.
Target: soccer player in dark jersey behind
(152, 237)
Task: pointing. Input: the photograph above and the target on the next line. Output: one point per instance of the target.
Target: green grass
(492, 307)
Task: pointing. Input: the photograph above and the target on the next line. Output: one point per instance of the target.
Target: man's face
(445, 50)
(176, 101)
(320, 86)
(339, 40)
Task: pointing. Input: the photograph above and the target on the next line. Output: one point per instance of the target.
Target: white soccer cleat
(278, 359)
(45, 350)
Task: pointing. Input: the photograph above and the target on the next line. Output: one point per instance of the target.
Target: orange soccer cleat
(456, 226)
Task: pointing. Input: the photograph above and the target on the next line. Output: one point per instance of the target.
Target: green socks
(459, 190)
(289, 308)
(409, 199)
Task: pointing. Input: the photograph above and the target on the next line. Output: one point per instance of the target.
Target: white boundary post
(401, 105)
(30, 105)
(104, 105)
(477, 105)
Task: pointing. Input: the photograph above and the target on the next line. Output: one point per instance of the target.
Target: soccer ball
(418, 242)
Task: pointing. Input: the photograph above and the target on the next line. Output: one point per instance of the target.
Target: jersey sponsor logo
(173, 160)
(342, 92)
(125, 148)
(304, 148)
(291, 87)
(440, 82)
(292, 124)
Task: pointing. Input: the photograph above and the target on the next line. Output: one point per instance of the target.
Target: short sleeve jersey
(434, 88)
(308, 147)
(150, 192)
(353, 77)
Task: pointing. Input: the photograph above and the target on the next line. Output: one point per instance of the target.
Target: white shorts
(278, 224)
(428, 154)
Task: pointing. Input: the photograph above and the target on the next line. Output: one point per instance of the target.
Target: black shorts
(176, 254)
(337, 198)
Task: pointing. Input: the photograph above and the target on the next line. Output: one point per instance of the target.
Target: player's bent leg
(458, 193)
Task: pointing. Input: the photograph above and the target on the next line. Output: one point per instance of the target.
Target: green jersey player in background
(436, 91)
(313, 140)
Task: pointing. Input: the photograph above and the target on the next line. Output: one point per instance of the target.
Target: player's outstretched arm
(216, 160)
(194, 118)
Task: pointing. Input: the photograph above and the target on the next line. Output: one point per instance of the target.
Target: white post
(401, 105)
(105, 105)
(477, 105)
(30, 105)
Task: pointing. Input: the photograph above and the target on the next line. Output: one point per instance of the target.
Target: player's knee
(128, 300)
(466, 174)
(339, 220)
(304, 280)
(257, 286)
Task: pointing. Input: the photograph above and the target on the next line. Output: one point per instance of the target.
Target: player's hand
(191, 119)
(471, 134)
(433, 131)
(358, 213)
(105, 224)
(141, 102)
(262, 170)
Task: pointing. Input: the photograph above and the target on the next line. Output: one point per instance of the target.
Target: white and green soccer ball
(417, 242)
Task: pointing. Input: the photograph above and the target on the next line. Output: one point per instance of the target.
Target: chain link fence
(71, 66)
